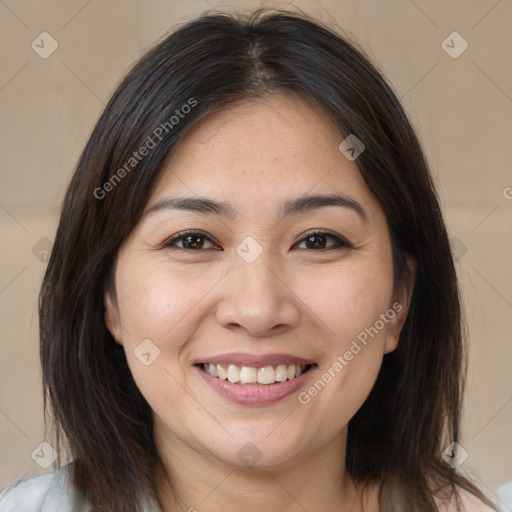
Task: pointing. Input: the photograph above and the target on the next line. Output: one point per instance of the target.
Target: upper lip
(253, 360)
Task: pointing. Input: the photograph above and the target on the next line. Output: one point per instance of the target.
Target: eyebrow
(299, 205)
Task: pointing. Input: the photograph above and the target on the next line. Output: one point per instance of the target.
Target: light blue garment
(52, 492)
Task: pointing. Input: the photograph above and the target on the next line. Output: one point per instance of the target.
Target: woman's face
(255, 294)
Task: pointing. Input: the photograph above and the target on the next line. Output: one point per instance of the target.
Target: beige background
(462, 108)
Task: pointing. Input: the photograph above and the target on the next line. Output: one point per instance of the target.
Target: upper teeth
(251, 375)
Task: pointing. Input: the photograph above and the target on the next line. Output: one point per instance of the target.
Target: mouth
(255, 380)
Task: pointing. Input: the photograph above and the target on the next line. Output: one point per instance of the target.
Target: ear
(399, 307)
(112, 317)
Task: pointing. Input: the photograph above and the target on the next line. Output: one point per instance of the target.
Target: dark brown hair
(411, 414)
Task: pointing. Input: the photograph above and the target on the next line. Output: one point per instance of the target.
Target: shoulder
(44, 493)
(470, 503)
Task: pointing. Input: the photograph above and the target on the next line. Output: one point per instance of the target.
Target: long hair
(101, 418)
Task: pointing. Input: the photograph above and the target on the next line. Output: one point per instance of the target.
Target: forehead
(255, 153)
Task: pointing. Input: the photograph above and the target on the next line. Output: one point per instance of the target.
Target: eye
(196, 240)
(191, 240)
(317, 240)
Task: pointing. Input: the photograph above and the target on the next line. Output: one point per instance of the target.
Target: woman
(251, 302)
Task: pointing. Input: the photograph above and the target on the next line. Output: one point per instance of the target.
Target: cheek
(154, 308)
(342, 384)
(162, 305)
(348, 302)
(154, 300)
(348, 311)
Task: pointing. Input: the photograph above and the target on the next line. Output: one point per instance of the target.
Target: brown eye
(190, 240)
(318, 240)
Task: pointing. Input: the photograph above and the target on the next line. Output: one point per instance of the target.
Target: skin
(294, 298)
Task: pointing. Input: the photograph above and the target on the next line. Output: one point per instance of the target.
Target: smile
(255, 380)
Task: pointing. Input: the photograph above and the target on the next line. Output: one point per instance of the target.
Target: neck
(315, 482)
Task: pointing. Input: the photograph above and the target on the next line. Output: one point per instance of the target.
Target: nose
(258, 299)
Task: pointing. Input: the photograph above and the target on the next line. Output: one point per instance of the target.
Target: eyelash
(341, 242)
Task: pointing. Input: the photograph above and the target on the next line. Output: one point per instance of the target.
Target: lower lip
(255, 395)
